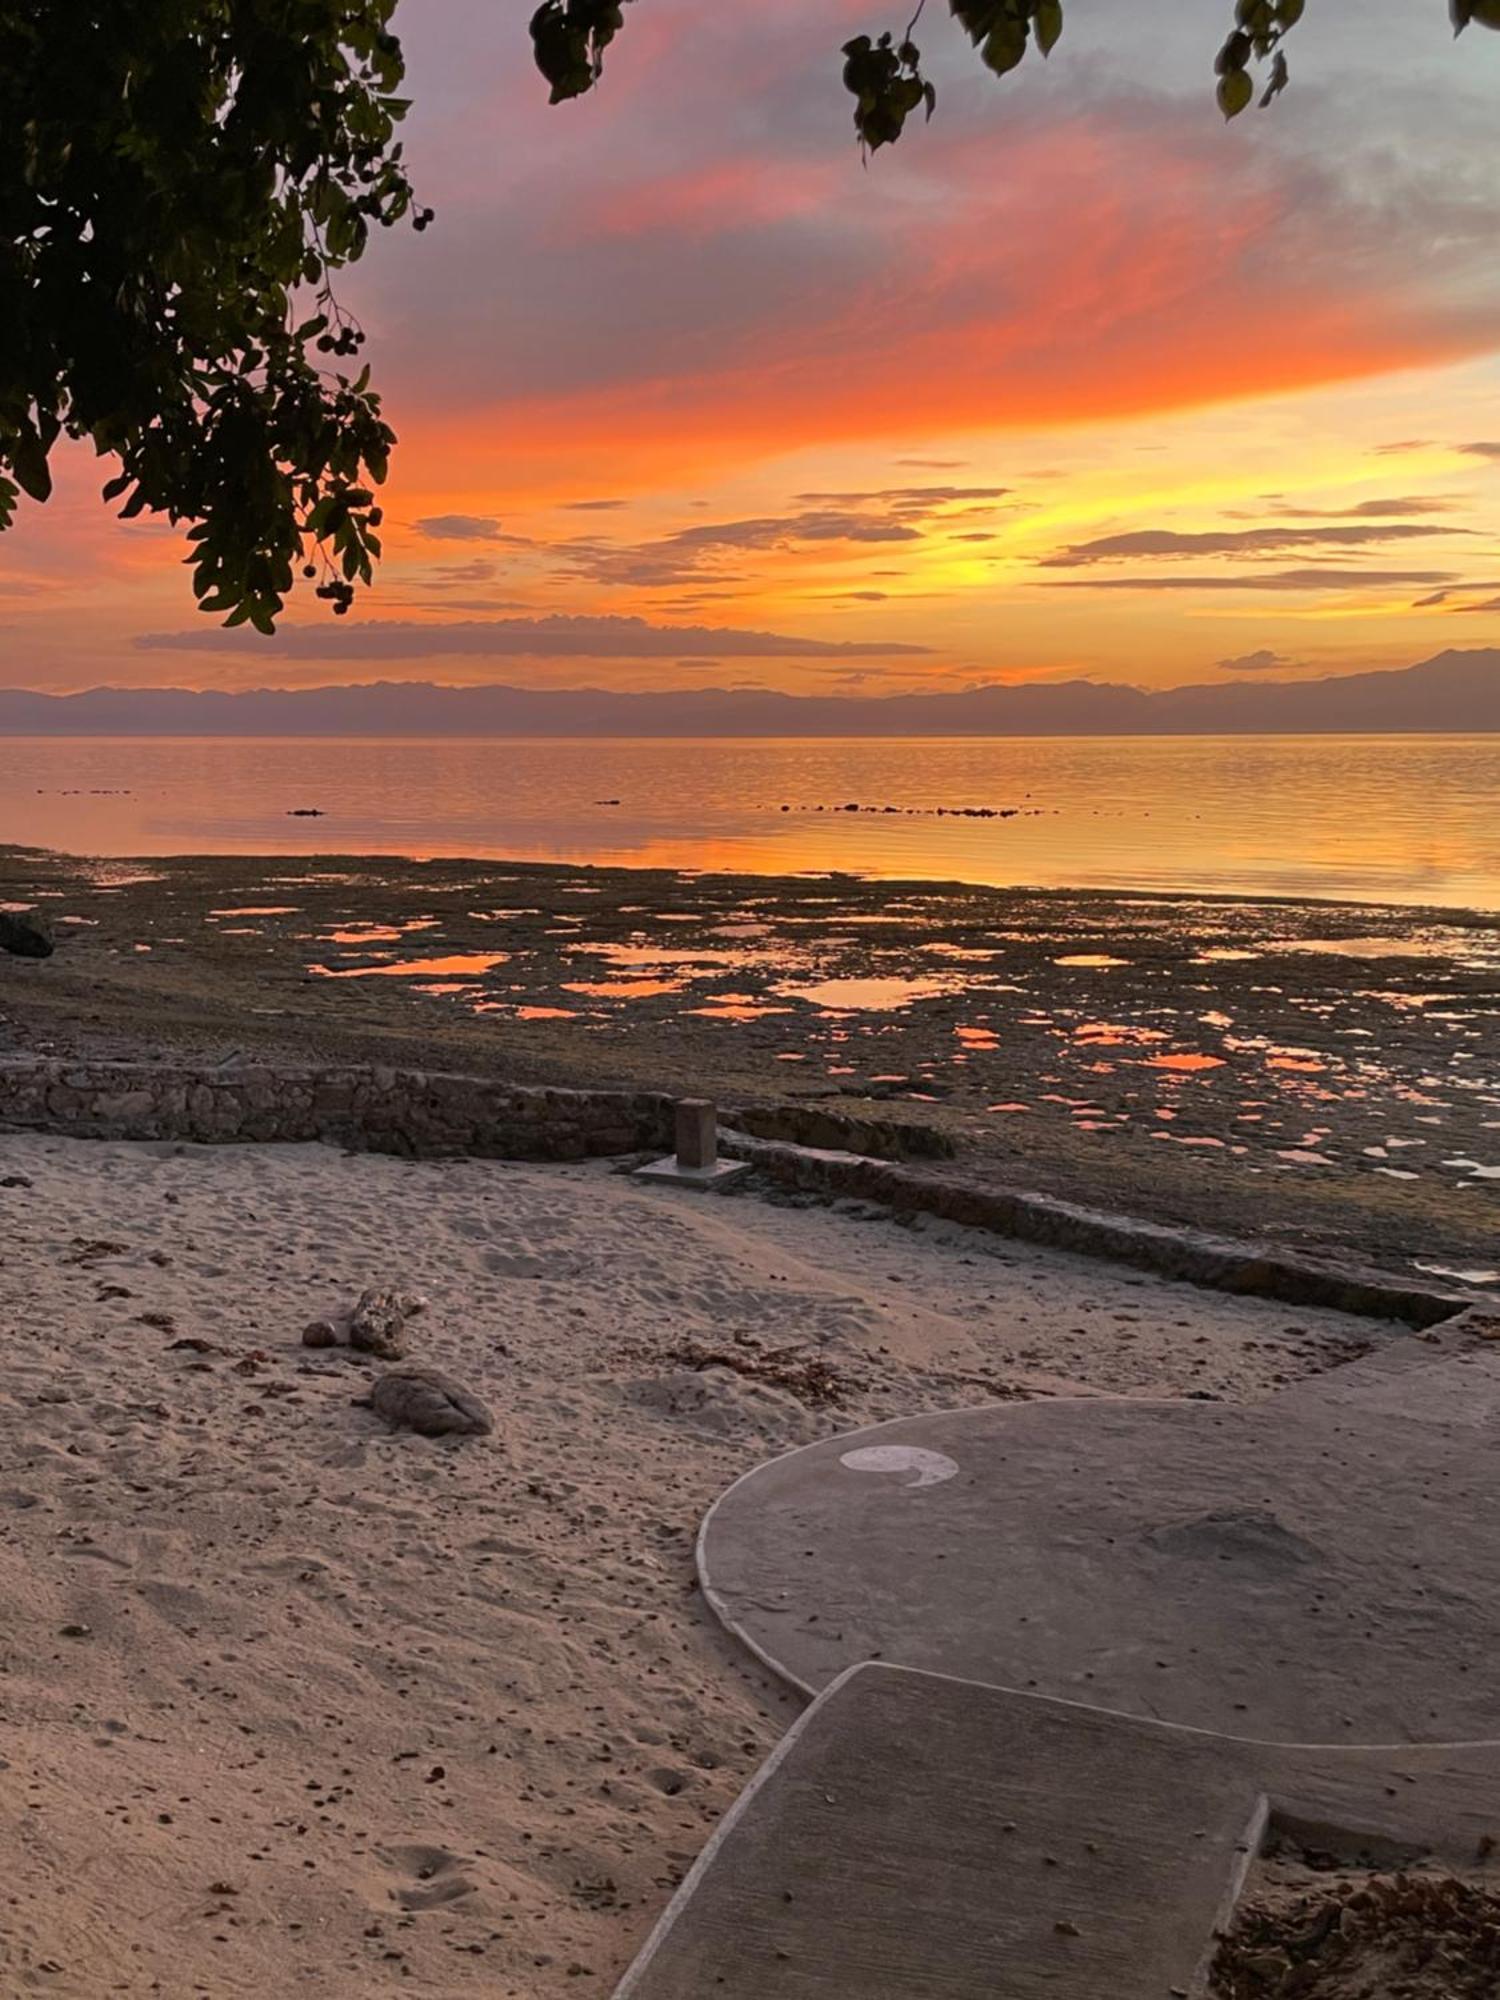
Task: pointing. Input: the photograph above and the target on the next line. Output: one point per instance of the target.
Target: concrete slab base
(921, 1836)
(721, 1174)
(1322, 1567)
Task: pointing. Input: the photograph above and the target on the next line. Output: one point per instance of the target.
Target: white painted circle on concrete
(930, 1467)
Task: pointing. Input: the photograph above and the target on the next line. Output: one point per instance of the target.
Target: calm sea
(1377, 818)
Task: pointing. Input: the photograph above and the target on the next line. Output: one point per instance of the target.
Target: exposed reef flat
(1324, 1075)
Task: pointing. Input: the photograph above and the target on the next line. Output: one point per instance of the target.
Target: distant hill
(1455, 692)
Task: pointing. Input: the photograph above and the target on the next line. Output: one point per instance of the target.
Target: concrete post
(696, 1162)
(697, 1134)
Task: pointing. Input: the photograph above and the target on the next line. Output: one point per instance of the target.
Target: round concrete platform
(1313, 1569)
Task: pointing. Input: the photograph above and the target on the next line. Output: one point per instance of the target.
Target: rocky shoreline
(1322, 1075)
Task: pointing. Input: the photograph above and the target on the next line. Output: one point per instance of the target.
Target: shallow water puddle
(1116, 1034)
(1095, 959)
(623, 989)
(1404, 1002)
(109, 877)
(416, 968)
(742, 959)
(1481, 1276)
(875, 995)
(1381, 947)
(977, 1038)
(259, 910)
(970, 953)
(373, 933)
(735, 1007)
(1185, 1064)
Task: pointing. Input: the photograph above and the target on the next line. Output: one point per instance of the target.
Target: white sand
(356, 1713)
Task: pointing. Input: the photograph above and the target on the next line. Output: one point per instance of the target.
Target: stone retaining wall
(390, 1110)
(816, 1125)
(1190, 1256)
(412, 1112)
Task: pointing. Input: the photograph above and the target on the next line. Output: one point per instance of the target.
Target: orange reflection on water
(379, 933)
(977, 1038)
(623, 989)
(416, 968)
(869, 995)
(1115, 1034)
(733, 1009)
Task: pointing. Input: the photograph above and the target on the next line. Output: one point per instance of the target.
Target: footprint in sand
(516, 1264)
(434, 1876)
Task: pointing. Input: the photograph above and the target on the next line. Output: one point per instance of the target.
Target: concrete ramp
(1322, 1567)
(921, 1838)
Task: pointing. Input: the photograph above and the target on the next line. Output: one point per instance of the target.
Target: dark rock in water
(26, 933)
(434, 1405)
(306, 812)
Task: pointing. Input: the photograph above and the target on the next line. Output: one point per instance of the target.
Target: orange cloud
(697, 203)
(1051, 276)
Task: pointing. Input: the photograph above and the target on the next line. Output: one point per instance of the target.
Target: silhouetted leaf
(1235, 92)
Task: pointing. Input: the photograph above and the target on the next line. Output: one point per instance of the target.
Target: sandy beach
(292, 1703)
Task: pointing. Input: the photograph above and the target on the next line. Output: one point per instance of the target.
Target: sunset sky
(1075, 382)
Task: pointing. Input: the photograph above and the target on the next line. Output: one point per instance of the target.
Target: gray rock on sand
(423, 1400)
(377, 1324)
(320, 1333)
(26, 933)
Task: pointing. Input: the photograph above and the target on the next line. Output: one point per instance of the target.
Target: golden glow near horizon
(1075, 382)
